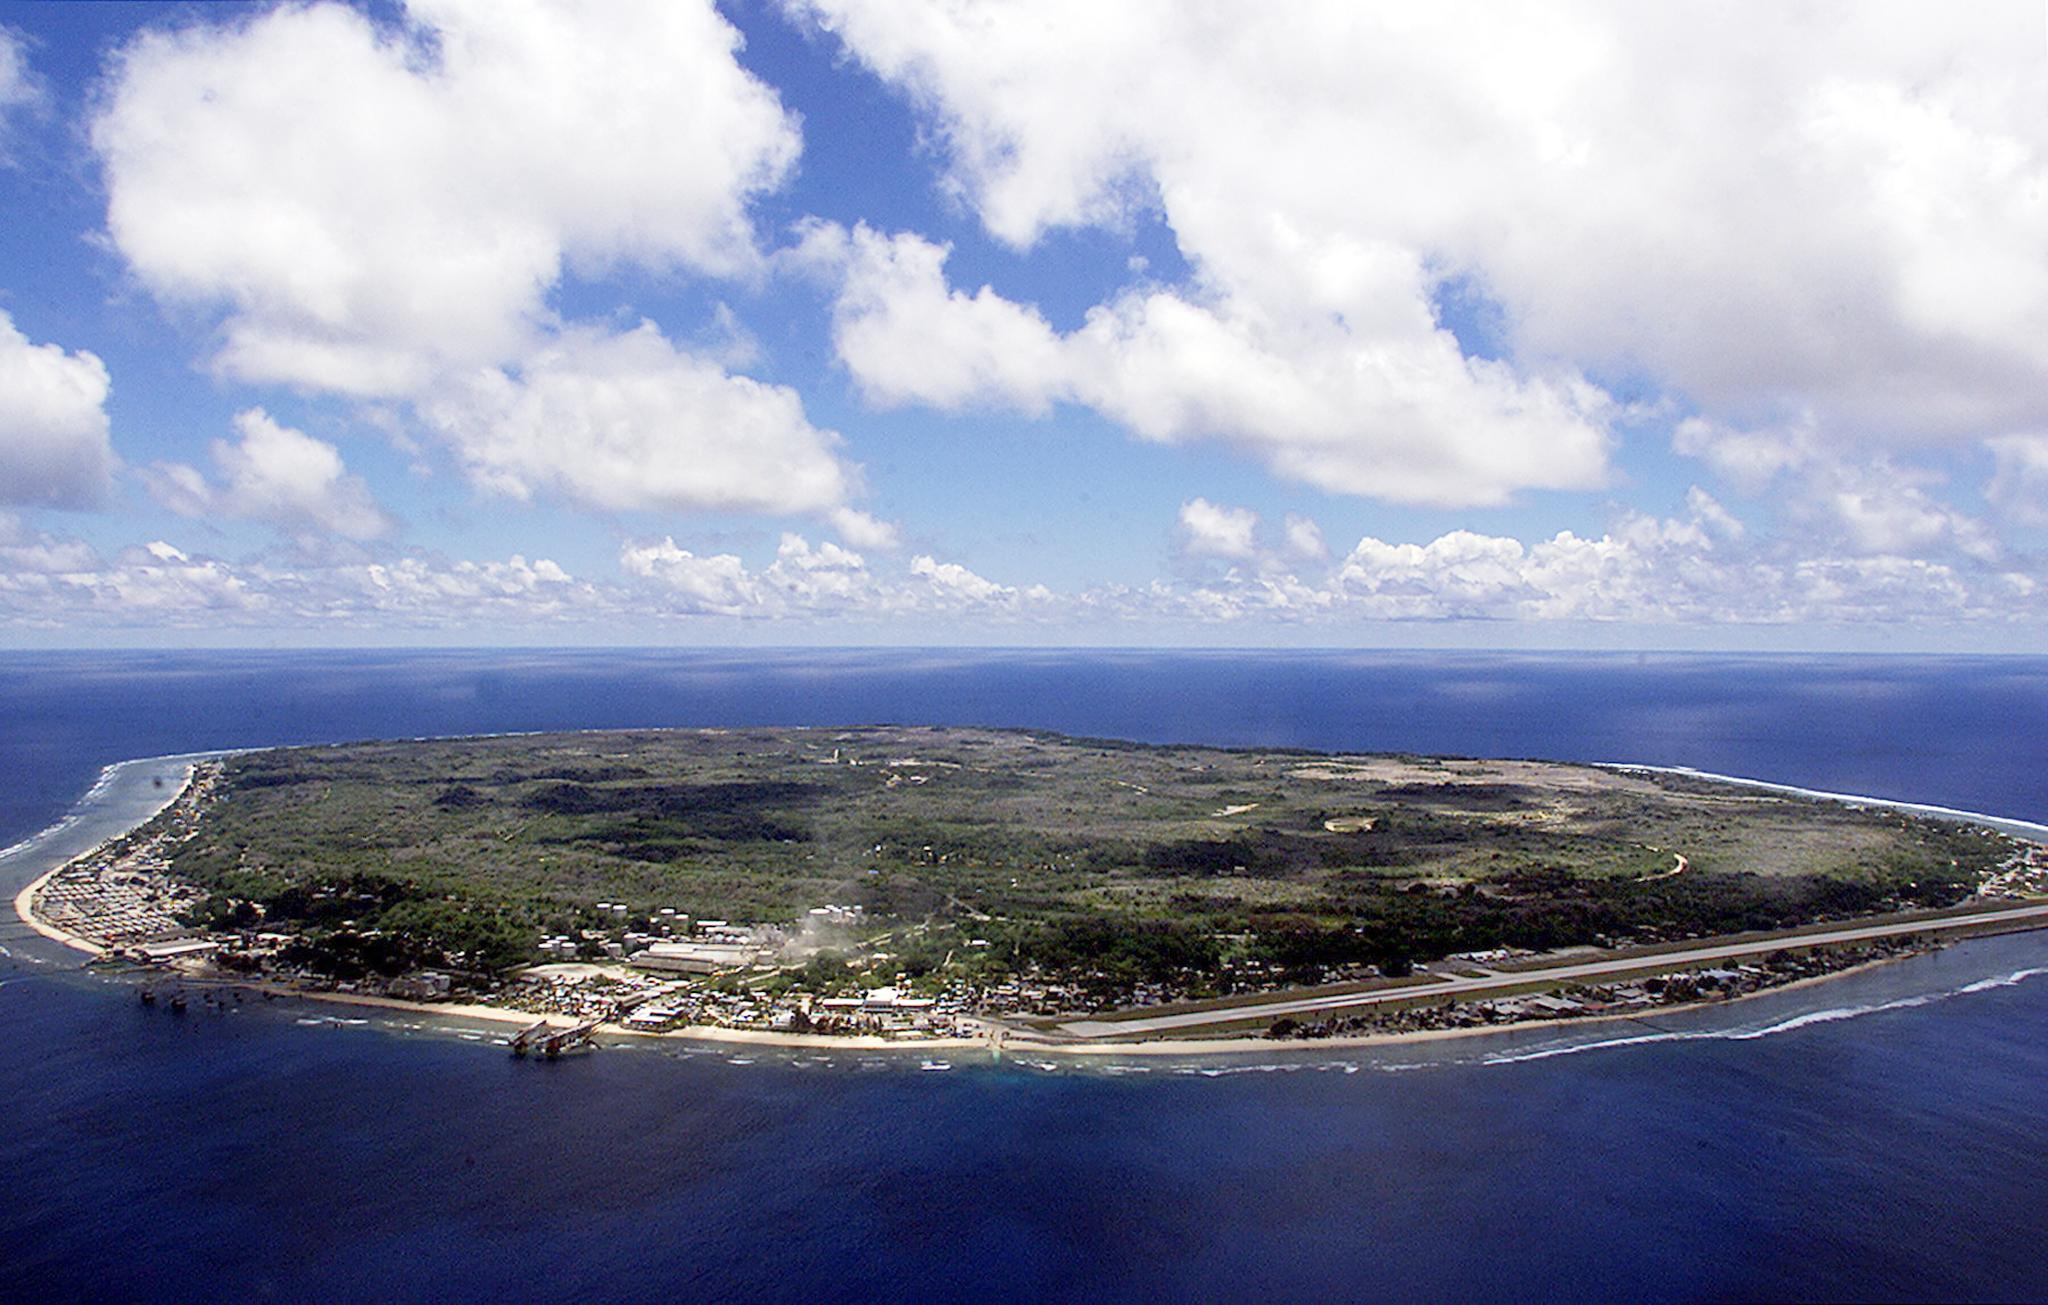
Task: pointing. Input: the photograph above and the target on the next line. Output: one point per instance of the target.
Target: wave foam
(1831, 1015)
(2007, 824)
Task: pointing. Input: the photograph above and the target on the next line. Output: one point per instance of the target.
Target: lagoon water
(1880, 1136)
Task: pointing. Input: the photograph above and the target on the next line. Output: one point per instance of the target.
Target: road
(1572, 973)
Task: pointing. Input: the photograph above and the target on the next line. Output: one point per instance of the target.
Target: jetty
(570, 1039)
(552, 1042)
(523, 1041)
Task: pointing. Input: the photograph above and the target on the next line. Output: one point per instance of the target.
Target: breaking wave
(1831, 1015)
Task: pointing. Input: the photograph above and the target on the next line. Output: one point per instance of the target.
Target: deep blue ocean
(1878, 1137)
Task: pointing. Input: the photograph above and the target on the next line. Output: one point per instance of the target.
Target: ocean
(1875, 1137)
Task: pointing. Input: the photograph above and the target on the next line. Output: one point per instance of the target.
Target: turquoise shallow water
(1874, 1137)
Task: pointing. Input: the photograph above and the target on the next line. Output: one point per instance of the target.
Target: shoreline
(1011, 1041)
(24, 901)
(1007, 1040)
(2035, 831)
(1020, 1044)
(24, 907)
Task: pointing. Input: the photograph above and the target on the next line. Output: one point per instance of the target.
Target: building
(695, 957)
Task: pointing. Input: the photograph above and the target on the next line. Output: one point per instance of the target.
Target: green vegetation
(994, 851)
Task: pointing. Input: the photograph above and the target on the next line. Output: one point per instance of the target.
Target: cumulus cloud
(56, 583)
(381, 211)
(1697, 568)
(371, 205)
(274, 474)
(718, 584)
(1305, 538)
(812, 581)
(1232, 536)
(627, 421)
(1379, 403)
(2020, 485)
(956, 586)
(54, 449)
(1217, 531)
(1869, 504)
(864, 531)
(1858, 233)
(826, 579)
(1701, 567)
(802, 580)
(31, 552)
(435, 592)
(908, 338)
(153, 585)
(1883, 508)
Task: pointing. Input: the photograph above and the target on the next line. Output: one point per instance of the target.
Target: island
(953, 886)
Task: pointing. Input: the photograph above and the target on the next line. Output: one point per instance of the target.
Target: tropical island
(937, 884)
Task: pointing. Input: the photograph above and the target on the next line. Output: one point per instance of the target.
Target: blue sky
(840, 321)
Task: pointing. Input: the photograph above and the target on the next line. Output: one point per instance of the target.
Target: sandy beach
(1011, 1041)
(24, 906)
(24, 901)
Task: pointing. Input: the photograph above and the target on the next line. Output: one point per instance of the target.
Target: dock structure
(524, 1040)
(554, 1044)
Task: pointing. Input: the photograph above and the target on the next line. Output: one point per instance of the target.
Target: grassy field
(1137, 859)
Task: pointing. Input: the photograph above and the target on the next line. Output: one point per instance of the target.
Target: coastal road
(1572, 973)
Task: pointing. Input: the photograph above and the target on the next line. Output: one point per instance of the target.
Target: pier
(552, 1042)
(523, 1041)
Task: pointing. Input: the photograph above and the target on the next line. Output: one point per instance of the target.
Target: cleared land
(985, 851)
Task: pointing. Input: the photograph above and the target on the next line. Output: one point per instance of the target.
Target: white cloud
(954, 585)
(1388, 408)
(1461, 573)
(1715, 519)
(864, 531)
(726, 340)
(801, 581)
(383, 211)
(822, 579)
(907, 338)
(374, 205)
(432, 592)
(718, 584)
(29, 552)
(1750, 459)
(629, 422)
(1883, 508)
(17, 85)
(13, 69)
(274, 474)
(1834, 210)
(1217, 531)
(1697, 569)
(2020, 484)
(807, 581)
(53, 583)
(1305, 538)
(1702, 568)
(1868, 504)
(54, 449)
(154, 586)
